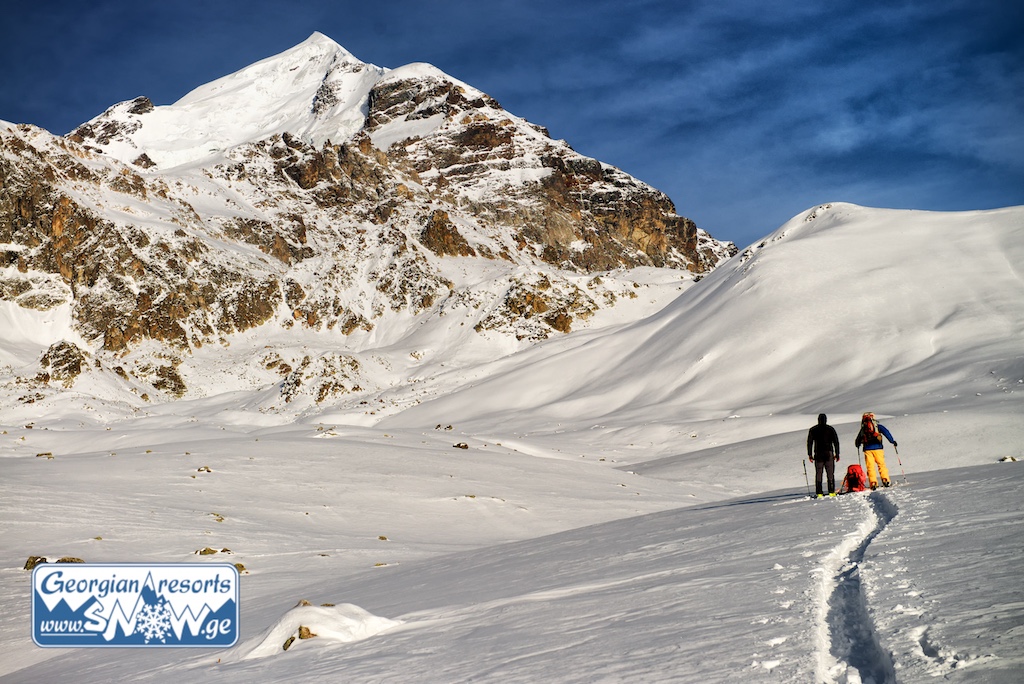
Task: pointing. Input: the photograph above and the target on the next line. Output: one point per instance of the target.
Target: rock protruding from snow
(338, 624)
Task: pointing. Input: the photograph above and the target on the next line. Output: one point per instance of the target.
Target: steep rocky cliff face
(398, 193)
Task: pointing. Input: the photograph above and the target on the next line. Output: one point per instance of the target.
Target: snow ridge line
(849, 649)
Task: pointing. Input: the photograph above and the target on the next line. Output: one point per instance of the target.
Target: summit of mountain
(313, 91)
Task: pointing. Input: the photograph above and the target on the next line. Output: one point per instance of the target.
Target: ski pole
(900, 462)
(806, 481)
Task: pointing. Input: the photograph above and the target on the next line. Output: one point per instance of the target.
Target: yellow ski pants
(872, 458)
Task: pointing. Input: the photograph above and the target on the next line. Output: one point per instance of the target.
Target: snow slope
(627, 503)
(843, 308)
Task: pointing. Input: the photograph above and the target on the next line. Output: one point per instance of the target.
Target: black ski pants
(828, 465)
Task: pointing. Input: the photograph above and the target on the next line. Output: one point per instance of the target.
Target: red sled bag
(854, 480)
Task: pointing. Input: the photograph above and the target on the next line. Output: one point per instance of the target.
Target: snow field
(749, 587)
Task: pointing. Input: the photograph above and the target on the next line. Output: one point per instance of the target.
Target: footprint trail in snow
(849, 650)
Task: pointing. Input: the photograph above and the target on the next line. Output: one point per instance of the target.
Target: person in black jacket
(823, 451)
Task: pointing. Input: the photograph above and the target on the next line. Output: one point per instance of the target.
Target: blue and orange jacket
(871, 443)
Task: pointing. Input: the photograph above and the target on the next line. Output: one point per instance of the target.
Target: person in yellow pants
(870, 437)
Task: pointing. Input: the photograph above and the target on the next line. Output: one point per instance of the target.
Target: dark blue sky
(744, 112)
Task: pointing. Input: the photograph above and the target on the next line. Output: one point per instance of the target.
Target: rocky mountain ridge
(356, 196)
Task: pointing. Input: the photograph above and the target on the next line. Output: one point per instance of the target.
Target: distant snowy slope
(843, 306)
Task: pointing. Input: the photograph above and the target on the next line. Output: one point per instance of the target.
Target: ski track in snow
(849, 650)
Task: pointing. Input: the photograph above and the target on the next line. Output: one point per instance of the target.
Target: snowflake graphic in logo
(154, 621)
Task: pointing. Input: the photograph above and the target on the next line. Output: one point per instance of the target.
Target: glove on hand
(895, 444)
(837, 458)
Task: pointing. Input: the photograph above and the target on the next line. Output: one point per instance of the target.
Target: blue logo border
(235, 599)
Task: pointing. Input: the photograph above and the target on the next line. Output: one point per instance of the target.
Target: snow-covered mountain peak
(287, 75)
(313, 192)
(316, 90)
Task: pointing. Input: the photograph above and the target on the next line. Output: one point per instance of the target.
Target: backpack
(869, 429)
(854, 480)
